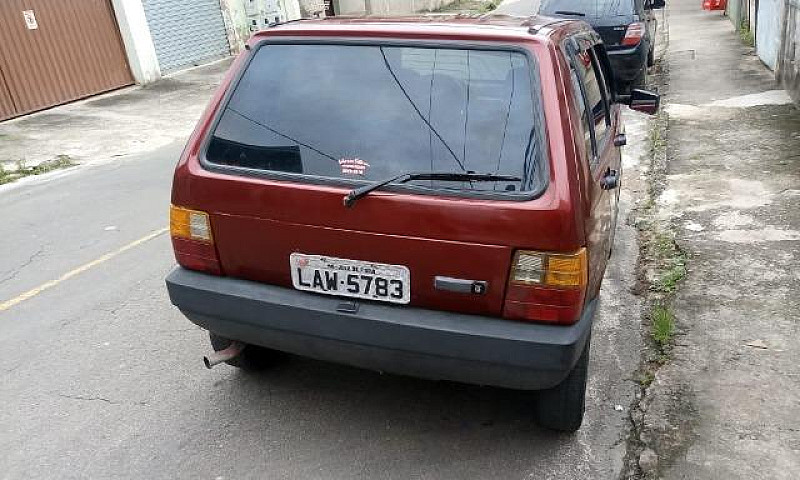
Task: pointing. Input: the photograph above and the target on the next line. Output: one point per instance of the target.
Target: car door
(602, 161)
(616, 134)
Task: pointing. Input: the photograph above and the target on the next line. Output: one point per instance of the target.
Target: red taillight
(546, 287)
(192, 240)
(633, 35)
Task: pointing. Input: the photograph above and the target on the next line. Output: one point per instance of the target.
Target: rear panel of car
(609, 18)
(261, 216)
(612, 35)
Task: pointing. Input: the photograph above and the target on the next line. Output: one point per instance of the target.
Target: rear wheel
(561, 407)
(651, 60)
(253, 358)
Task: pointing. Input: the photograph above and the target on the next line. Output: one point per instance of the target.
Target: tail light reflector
(633, 35)
(547, 287)
(192, 240)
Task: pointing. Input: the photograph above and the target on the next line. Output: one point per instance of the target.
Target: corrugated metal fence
(56, 51)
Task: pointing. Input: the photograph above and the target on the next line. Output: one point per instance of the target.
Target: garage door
(55, 51)
(186, 32)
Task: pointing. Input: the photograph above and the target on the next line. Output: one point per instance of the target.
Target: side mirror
(656, 4)
(642, 101)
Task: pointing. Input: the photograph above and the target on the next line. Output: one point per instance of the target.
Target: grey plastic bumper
(409, 341)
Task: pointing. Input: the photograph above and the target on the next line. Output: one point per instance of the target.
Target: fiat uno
(430, 196)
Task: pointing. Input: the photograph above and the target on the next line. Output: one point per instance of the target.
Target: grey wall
(735, 12)
(769, 30)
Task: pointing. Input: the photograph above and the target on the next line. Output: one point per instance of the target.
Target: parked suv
(627, 27)
(430, 196)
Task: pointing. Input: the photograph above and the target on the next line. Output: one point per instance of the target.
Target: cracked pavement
(12, 273)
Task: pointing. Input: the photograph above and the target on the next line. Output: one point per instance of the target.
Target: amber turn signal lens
(550, 269)
(567, 270)
(189, 224)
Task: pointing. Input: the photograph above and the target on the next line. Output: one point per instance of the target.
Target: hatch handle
(460, 285)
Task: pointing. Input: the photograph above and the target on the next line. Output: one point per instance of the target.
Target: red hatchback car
(431, 196)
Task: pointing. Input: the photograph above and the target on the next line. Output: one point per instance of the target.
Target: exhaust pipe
(232, 351)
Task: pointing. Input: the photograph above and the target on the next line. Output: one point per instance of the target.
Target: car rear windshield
(590, 8)
(370, 112)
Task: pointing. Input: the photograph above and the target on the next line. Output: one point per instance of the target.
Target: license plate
(350, 278)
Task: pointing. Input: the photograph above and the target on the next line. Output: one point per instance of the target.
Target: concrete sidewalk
(122, 123)
(727, 406)
(519, 7)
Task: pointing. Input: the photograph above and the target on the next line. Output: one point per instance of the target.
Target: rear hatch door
(308, 122)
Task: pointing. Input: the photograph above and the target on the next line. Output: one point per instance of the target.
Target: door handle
(610, 180)
(620, 140)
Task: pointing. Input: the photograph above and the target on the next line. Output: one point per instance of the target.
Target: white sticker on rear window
(353, 166)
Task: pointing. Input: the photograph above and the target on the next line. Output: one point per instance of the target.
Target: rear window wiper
(362, 191)
(570, 12)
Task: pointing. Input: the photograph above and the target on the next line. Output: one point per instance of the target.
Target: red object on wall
(715, 4)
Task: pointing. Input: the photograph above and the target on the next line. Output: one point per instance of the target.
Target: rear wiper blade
(569, 12)
(362, 191)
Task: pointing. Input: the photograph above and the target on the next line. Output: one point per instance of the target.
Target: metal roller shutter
(56, 51)
(186, 32)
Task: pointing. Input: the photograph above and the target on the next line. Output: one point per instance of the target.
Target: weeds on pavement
(746, 34)
(663, 325)
(21, 171)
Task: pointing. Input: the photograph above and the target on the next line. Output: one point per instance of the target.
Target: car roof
(442, 25)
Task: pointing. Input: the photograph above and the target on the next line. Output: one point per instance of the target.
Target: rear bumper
(409, 341)
(628, 63)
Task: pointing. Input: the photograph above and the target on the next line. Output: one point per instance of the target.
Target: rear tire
(651, 60)
(561, 407)
(252, 359)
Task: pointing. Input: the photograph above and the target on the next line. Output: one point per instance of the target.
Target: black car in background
(627, 27)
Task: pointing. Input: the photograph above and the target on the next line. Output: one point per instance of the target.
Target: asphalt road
(102, 378)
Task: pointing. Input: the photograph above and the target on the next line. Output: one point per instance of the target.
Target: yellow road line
(86, 266)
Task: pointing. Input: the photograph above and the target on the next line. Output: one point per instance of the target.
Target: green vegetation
(647, 378)
(670, 263)
(59, 162)
(663, 325)
(746, 34)
(668, 281)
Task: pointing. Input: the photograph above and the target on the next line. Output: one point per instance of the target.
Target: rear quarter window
(367, 112)
(594, 96)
